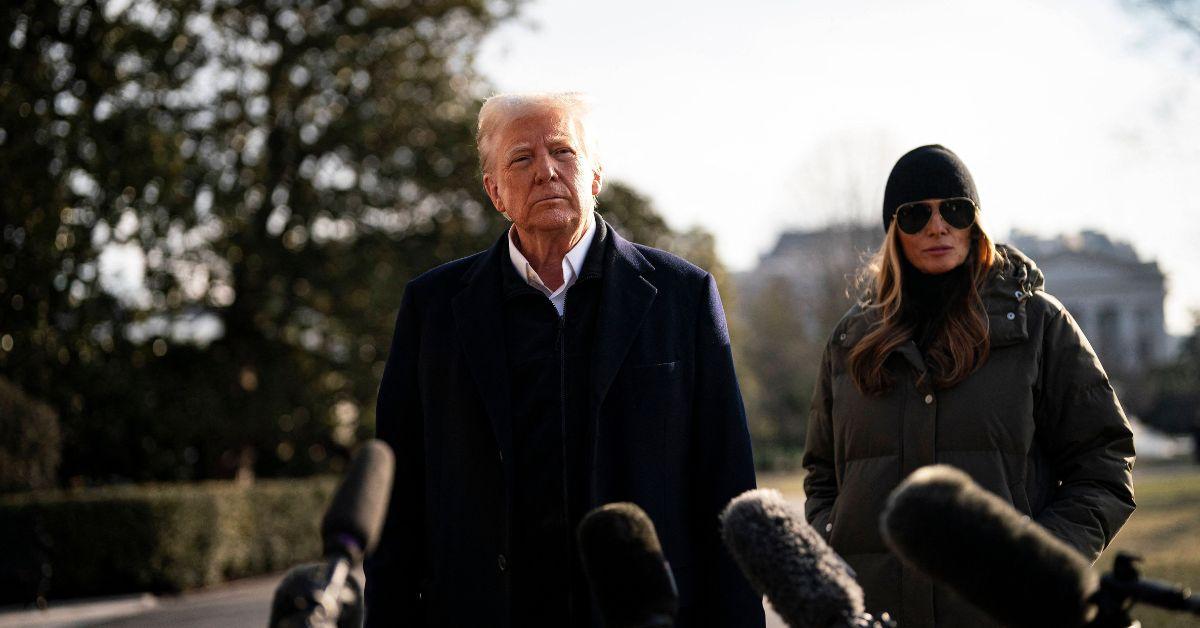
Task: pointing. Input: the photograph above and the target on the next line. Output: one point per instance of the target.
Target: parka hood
(1014, 263)
(1013, 280)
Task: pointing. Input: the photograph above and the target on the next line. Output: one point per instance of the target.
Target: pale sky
(749, 118)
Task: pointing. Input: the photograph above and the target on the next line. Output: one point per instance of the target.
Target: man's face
(540, 173)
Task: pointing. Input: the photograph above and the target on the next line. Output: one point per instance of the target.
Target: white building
(819, 266)
(1116, 297)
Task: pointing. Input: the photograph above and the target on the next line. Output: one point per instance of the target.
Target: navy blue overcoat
(667, 427)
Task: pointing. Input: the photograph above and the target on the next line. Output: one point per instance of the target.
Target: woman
(957, 356)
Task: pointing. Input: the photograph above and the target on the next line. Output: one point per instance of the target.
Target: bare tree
(789, 303)
(1183, 15)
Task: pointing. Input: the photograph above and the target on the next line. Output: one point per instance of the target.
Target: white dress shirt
(572, 264)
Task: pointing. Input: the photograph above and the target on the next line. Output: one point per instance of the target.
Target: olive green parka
(1037, 424)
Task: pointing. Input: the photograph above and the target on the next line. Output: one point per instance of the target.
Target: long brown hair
(957, 348)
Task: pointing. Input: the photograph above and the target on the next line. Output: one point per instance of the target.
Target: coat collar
(480, 326)
(625, 298)
(1013, 280)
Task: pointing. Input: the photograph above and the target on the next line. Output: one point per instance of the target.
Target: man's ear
(493, 192)
(597, 179)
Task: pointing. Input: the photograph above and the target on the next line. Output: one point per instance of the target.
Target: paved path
(239, 603)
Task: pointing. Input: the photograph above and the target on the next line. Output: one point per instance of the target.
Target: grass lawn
(1164, 530)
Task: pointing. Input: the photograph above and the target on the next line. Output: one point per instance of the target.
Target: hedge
(157, 538)
(30, 441)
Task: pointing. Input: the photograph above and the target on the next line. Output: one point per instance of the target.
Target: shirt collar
(572, 262)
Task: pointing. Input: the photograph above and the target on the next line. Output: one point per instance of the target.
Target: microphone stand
(1123, 587)
(323, 595)
(319, 595)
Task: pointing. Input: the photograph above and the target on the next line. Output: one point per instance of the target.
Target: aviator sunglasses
(958, 212)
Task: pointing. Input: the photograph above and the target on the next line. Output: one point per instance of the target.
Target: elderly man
(560, 369)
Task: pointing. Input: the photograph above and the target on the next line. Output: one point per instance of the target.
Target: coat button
(1011, 316)
(928, 399)
(842, 337)
(501, 562)
(1018, 294)
(829, 527)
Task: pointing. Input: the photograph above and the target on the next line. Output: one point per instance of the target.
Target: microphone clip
(1123, 587)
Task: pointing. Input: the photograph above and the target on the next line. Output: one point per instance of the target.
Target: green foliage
(1174, 393)
(272, 171)
(784, 360)
(155, 537)
(29, 441)
(1183, 374)
(789, 306)
(635, 217)
(632, 214)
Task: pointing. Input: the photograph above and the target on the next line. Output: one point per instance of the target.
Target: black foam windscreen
(355, 517)
(786, 560)
(943, 524)
(630, 579)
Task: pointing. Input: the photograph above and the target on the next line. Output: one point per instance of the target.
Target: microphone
(354, 521)
(1123, 587)
(322, 594)
(786, 560)
(943, 524)
(630, 578)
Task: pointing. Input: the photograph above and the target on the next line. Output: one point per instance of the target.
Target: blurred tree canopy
(209, 211)
(29, 441)
(635, 217)
(1174, 392)
(788, 307)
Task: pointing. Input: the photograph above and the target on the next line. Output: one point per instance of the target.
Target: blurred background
(210, 210)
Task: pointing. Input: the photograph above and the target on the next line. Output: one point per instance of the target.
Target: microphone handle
(1124, 586)
(1161, 594)
(330, 596)
(318, 595)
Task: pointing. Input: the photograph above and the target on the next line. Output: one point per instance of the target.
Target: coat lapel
(478, 319)
(625, 299)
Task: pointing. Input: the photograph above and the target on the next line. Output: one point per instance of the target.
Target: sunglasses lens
(912, 217)
(958, 212)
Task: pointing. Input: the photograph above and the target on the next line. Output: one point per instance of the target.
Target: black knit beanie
(932, 171)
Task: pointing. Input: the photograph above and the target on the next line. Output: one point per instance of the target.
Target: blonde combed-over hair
(501, 109)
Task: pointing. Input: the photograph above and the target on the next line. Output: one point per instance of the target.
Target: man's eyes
(520, 160)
